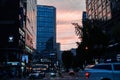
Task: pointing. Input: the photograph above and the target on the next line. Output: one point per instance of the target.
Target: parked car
(103, 71)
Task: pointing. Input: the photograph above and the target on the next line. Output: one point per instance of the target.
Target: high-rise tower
(46, 28)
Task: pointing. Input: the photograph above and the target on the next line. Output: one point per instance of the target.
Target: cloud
(65, 30)
(68, 43)
(64, 23)
(68, 38)
(67, 17)
(65, 4)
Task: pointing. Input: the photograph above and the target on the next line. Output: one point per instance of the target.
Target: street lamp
(10, 39)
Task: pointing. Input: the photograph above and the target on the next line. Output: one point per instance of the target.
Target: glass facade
(46, 28)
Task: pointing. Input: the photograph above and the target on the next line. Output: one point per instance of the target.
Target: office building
(104, 14)
(12, 34)
(84, 16)
(30, 28)
(46, 29)
(16, 25)
(12, 30)
(98, 9)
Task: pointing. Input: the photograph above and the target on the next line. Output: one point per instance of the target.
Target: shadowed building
(104, 14)
(17, 37)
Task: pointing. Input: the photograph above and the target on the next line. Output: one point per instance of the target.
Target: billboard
(25, 58)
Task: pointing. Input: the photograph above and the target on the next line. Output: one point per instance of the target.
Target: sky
(67, 12)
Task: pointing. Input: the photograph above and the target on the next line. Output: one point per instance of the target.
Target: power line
(68, 43)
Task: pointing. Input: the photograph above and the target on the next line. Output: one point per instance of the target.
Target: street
(65, 76)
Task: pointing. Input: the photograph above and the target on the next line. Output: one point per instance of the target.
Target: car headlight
(37, 74)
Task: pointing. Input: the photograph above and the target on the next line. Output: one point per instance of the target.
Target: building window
(108, 9)
(104, 5)
(104, 12)
(99, 9)
(89, 1)
(99, 2)
(108, 16)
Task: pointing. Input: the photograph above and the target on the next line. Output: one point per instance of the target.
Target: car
(71, 72)
(36, 75)
(103, 71)
(53, 73)
(42, 74)
(63, 70)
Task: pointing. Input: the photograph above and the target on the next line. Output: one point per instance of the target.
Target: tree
(116, 32)
(93, 40)
(82, 50)
(67, 58)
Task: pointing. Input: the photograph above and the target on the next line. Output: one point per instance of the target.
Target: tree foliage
(93, 41)
(67, 59)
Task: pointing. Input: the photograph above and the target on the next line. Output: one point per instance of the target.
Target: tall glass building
(46, 28)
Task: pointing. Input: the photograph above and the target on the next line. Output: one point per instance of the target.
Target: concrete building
(17, 21)
(98, 9)
(105, 14)
(12, 33)
(12, 30)
(30, 28)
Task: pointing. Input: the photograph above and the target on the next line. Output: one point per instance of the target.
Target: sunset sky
(67, 12)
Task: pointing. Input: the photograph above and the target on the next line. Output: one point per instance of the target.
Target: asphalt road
(65, 76)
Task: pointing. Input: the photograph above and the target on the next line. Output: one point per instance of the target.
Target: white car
(103, 71)
(37, 75)
(52, 73)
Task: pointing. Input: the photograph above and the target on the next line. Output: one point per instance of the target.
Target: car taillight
(87, 74)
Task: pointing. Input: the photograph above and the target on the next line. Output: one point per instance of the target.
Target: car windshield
(117, 67)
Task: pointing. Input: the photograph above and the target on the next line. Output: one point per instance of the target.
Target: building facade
(16, 25)
(30, 28)
(98, 9)
(12, 30)
(84, 16)
(46, 28)
(104, 14)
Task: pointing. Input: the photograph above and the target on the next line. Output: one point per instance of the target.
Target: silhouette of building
(105, 14)
(12, 30)
(17, 30)
(84, 16)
